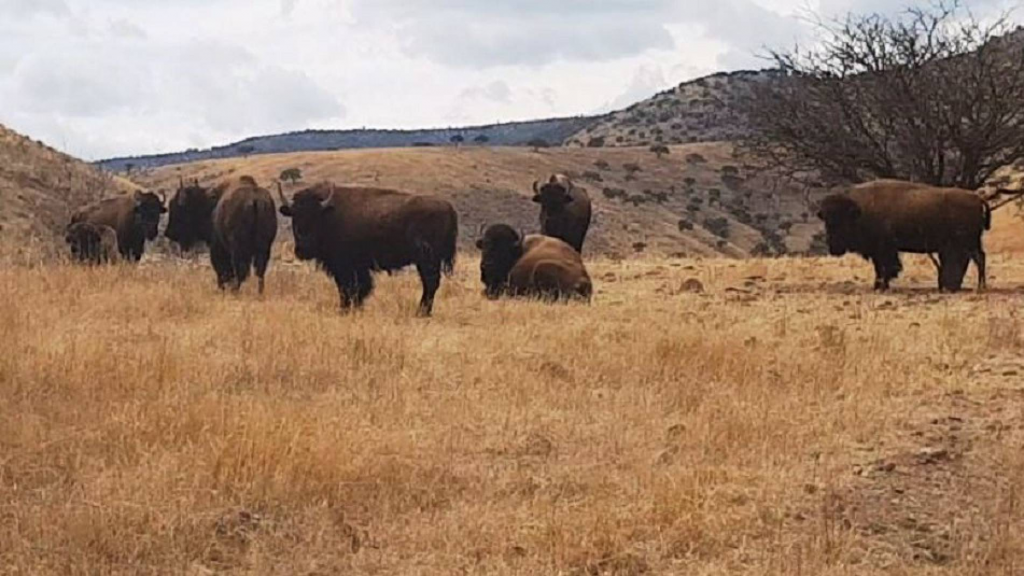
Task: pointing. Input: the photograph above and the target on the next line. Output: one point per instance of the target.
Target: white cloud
(111, 77)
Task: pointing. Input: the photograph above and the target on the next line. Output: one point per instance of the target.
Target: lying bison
(533, 265)
(565, 210)
(91, 243)
(236, 219)
(134, 218)
(353, 231)
(880, 219)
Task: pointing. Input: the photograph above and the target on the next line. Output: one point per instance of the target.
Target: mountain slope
(702, 110)
(40, 188)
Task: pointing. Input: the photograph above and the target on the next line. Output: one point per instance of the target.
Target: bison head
(501, 247)
(554, 194)
(840, 214)
(148, 208)
(308, 210)
(189, 220)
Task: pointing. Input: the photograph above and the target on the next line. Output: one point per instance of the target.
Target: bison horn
(163, 196)
(280, 192)
(536, 186)
(181, 182)
(480, 230)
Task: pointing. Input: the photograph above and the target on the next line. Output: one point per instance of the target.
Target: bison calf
(236, 219)
(91, 243)
(352, 232)
(565, 210)
(880, 219)
(533, 265)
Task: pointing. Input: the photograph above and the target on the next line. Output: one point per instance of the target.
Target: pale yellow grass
(149, 424)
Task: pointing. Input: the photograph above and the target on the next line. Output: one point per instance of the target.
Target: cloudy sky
(99, 78)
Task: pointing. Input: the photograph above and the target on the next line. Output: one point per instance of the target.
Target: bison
(534, 265)
(352, 232)
(236, 219)
(91, 243)
(565, 210)
(134, 218)
(880, 219)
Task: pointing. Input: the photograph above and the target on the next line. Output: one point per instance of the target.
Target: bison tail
(987, 210)
(449, 249)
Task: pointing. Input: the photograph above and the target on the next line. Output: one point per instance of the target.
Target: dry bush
(149, 424)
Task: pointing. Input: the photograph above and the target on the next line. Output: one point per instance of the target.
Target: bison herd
(353, 232)
(349, 232)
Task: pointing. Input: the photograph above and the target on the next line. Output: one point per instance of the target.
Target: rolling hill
(698, 200)
(40, 188)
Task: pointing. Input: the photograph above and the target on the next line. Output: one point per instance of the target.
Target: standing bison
(533, 265)
(565, 210)
(353, 231)
(880, 219)
(134, 218)
(92, 244)
(236, 219)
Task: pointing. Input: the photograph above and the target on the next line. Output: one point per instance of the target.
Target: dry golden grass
(784, 421)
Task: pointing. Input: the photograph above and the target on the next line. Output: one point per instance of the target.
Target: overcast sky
(99, 78)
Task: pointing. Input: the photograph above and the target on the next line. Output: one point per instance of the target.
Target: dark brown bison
(532, 265)
(565, 210)
(236, 219)
(880, 219)
(353, 231)
(135, 218)
(92, 244)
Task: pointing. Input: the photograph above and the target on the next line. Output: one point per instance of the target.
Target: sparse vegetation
(291, 174)
(660, 150)
(931, 96)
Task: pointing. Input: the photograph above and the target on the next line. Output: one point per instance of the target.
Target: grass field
(701, 417)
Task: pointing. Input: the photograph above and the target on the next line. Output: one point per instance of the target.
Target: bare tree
(933, 95)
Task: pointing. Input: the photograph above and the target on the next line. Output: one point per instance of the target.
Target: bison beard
(352, 232)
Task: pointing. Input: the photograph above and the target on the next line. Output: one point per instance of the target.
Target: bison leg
(221, 261)
(260, 262)
(953, 267)
(430, 277)
(354, 287)
(980, 263)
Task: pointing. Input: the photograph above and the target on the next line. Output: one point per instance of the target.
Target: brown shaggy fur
(565, 210)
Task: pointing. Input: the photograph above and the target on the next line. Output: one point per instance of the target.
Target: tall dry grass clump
(771, 420)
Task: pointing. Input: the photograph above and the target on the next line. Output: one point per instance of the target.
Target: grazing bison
(533, 265)
(236, 219)
(134, 218)
(880, 219)
(354, 231)
(91, 243)
(564, 210)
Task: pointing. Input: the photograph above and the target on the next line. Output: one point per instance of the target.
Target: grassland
(701, 417)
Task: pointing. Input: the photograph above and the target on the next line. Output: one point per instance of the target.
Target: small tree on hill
(481, 139)
(537, 144)
(128, 168)
(246, 149)
(660, 150)
(458, 139)
(933, 96)
(293, 174)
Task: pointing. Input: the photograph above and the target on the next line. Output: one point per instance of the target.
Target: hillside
(698, 200)
(553, 131)
(40, 187)
(702, 110)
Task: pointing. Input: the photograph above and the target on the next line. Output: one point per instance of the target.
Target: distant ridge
(553, 131)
